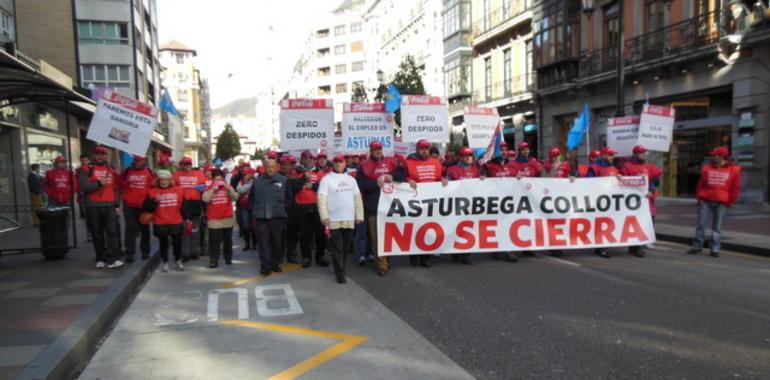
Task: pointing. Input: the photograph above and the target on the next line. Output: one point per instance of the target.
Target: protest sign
(404, 148)
(531, 214)
(306, 123)
(424, 117)
(363, 123)
(622, 134)
(656, 128)
(480, 125)
(123, 123)
(337, 147)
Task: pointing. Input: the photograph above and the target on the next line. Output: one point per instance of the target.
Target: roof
(348, 5)
(177, 46)
(20, 82)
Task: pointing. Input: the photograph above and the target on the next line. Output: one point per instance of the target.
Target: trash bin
(54, 232)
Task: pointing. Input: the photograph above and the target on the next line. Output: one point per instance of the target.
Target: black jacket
(270, 197)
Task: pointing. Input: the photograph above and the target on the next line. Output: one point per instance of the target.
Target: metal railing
(518, 85)
(510, 10)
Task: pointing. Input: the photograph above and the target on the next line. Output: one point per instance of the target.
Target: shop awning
(21, 82)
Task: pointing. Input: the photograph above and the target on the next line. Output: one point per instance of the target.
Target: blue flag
(393, 101)
(127, 159)
(167, 105)
(575, 135)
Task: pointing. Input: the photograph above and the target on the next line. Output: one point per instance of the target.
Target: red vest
(243, 199)
(59, 184)
(531, 168)
(136, 184)
(105, 193)
(308, 196)
(634, 168)
(583, 170)
(717, 184)
(496, 168)
(169, 208)
(562, 170)
(604, 171)
(188, 181)
(220, 206)
(373, 170)
(428, 170)
(457, 172)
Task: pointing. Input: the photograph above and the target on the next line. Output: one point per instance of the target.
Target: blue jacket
(270, 197)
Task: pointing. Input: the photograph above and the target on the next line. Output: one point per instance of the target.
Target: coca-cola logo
(388, 188)
(323, 143)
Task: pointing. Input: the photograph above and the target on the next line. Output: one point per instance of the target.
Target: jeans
(191, 242)
(103, 222)
(361, 241)
(270, 240)
(133, 228)
(340, 244)
(164, 232)
(221, 239)
(716, 212)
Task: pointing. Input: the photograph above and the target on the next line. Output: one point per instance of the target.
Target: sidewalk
(54, 313)
(746, 228)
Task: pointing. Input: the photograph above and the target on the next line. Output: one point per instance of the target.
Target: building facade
(708, 59)
(502, 65)
(458, 63)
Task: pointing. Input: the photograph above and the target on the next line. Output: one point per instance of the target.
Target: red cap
(524, 145)
(503, 144)
(322, 154)
(555, 151)
(306, 154)
(186, 161)
(423, 144)
(284, 158)
(291, 159)
(639, 149)
(209, 168)
(375, 145)
(465, 151)
(339, 158)
(594, 154)
(719, 151)
(100, 150)
(609, 151)
(399, 157)
(363, 156)
(138, 157)
(250, 171)
(60, 159)
(272, 154)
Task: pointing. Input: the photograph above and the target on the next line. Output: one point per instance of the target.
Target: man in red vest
(528, 166)
(420, 167)
(592, 157)
(465, 168)
(555, 167)
(500, 167)
(372, 174)
(637, 165)
(100, 186)
(137, 180)
(192, 182)
(718, 188)
(59, 183)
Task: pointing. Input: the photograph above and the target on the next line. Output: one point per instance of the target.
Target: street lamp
(381, 89)
(588, 7)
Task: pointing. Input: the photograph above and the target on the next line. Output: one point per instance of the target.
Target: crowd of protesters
(316, 204)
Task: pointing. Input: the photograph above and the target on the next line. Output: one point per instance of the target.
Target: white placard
(306, 123)
(123, 123)
(480, 125)
(363, 123)
(656, 128)
(622, 134)
(424, 117)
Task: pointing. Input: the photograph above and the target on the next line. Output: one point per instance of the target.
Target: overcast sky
(254, 40)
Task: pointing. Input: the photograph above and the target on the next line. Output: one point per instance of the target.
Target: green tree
(259, 154)
(228, 144)
(408, 80)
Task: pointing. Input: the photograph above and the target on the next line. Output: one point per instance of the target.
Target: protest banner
(424, 117)
(480, 125)
(656, 128)
(336, 147)
(306, 123)
(363, 123)
(404, 148)
(530, 214)
(123, 123)
(622, 134)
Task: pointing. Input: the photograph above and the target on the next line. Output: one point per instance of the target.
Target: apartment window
(488, 77)
(341, 88)
(339, 49)
(558, 35)
(324, 71)
(341, 69)
(324, 90)
(611, 27)
(452, 21)
(507, 71)
(186, 132)
(6, 25)
(357, 66)
(323, 33)
(323, 52)
(457, 74)
(487, 15)
(111, 76)
(356, 27)
(181, 96)
(102, 33)
(358, 84)
(357, 46)
(653, 10)
(179, 58)
(339, 30)
(506, 9)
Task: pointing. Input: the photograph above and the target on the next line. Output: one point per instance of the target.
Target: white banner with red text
(424, 117)
(507, 214)
(306, 123)
(123, 123)
(480, 125)
(363, 123)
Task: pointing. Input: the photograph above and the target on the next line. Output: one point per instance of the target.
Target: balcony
(517, 89)
(502, 15)
(685, 38)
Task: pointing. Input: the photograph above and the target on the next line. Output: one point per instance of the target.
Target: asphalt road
(668, 315)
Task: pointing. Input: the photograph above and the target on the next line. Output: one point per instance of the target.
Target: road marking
(286, 269)
(164, 315)
(347, 343)
(213, 306)
(561, 260)
(292, 304)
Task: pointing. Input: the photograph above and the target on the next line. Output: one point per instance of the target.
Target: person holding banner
(373, 173)
(420, 167)
(100, 186)
(718, 188)
(165, 202)
(465, 168)
(500, 167)
(556, 167)
(219, 199)
(341, 209)
(137, 180)
(527, 166)
(592, 157)
(637, 165)
(192, 181)
(59, 183)
(291, 234)
(305, 206)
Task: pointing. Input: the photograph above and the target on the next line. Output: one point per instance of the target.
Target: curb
(75, 346)
(731, 246)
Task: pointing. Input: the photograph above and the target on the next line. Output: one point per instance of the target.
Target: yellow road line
(348, 343)
(286, 269)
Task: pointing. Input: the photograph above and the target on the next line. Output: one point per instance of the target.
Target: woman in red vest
(165, 202)
(219, 199)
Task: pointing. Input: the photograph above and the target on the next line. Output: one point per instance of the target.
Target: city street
(668, 315)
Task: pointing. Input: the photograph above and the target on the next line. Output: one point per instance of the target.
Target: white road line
(561, 260)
